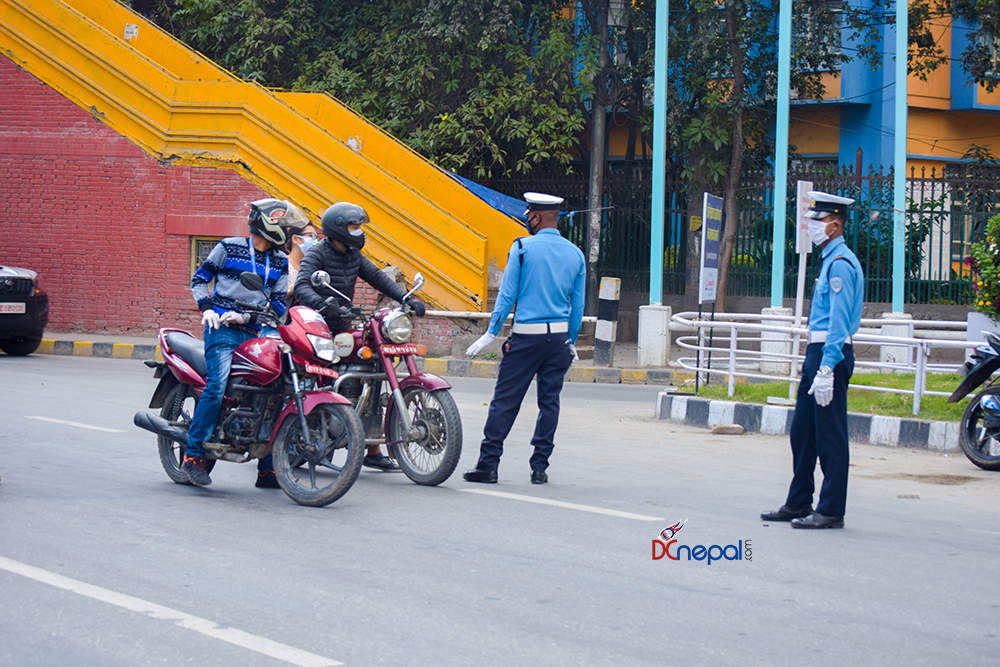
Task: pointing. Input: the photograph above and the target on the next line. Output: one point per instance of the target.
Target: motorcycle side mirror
(319, 279)
(418, 282)
(252, 281)
(322, 279)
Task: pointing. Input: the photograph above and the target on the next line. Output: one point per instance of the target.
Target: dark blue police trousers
(546, 356)
(821, 432)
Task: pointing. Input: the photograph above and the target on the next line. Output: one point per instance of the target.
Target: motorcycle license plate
(394, 350)
(321, 370)
(12, 308)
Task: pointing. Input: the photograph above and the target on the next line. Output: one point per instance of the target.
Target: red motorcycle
(410, 411)
(278, 401)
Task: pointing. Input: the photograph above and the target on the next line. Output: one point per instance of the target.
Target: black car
(24, 310)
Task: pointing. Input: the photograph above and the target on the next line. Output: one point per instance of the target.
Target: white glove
(478, 346)
(572, 348)
(211, 318)
(232, 317)
(822, 386)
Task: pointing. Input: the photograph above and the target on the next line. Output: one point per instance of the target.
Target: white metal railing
(924, 335)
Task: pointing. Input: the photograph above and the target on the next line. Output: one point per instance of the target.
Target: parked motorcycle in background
(980, 426)
(278, 401)
(410, 411)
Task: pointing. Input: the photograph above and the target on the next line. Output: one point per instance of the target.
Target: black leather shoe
(480, 475)
(539, 477)
(817, 520)
(786, 513)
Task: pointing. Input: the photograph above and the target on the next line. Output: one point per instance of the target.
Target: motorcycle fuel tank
(257, 360)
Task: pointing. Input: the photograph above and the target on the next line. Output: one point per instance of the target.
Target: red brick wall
(90, 211)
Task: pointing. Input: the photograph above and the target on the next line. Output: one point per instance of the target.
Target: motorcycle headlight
(397, 327)
(323, 347)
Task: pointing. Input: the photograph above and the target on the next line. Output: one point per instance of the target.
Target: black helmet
(336, 220)
(272, 218)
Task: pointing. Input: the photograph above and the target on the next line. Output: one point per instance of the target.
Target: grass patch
(935, 408)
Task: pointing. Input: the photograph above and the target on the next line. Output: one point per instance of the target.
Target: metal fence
(946, 212)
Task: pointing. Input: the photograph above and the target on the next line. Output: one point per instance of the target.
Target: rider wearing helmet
(226, 326)
(339, 254)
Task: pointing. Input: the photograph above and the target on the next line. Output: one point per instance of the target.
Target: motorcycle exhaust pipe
(160, 426)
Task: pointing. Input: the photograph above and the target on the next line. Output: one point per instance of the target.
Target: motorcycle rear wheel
(319, 475)
(980, 444)
(171, 451)
(430, 459)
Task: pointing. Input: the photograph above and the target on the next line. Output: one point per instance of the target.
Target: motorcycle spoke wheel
(429, 453)
(318, 469)
(178, 407)
(980, 443)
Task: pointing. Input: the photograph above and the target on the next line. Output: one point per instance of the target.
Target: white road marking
(76, 424)
(569, 506)
(239, 638)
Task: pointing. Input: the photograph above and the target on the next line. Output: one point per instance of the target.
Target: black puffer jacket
(344, 268)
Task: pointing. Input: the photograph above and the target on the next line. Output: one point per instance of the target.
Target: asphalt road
(105, 561)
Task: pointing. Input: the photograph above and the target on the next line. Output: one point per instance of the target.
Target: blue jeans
(219, 347)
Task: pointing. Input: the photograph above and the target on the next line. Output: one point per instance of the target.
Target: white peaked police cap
(822, 204)
(542, 202)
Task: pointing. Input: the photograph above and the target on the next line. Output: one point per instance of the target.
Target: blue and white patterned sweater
(228, 259)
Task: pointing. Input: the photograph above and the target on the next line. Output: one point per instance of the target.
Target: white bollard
(775, 342)
(654, 335)
(896, 354)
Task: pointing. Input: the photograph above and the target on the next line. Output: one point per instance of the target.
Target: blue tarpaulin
(501, 202)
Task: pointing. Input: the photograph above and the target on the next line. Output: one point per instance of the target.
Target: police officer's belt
(540, 328)
(820, 337)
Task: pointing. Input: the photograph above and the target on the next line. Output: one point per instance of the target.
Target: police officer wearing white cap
(819, 425)
(544, 283)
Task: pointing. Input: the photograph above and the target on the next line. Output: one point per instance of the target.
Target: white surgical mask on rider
(307, 242)
(817, 231)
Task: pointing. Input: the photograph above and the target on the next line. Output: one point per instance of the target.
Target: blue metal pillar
(659, 154)
(781, 152)
(899, 161)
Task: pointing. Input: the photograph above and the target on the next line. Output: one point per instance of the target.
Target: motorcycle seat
(189, 349)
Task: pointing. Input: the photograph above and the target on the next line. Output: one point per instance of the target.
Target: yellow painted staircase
(307, 147)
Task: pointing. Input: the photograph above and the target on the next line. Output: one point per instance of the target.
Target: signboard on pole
(711, 230)
(803, 244)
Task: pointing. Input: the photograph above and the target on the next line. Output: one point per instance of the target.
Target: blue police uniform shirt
(549, 287)
(837, 299)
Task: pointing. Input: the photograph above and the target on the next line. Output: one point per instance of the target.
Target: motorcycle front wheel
(318, 472)
(980, 443)
(428, 455)
(178, 407)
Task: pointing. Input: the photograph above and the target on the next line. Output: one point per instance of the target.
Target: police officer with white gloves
(819, 425)
(545, 277)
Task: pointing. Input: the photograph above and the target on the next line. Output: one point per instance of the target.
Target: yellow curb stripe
(81, 349)
(122, 350)
(47, 347)
(631, 376)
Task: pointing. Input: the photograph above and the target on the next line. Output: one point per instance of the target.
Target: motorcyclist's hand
(417, 306)
(330, 307)
(210, 318)
(478, 346)
(232, 317)
(572, 348)
(822, 386)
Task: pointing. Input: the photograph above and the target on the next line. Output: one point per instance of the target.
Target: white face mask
(307, 242)
(817, 231)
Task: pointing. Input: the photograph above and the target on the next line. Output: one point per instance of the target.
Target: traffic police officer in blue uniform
(544, 282)
(819, 425)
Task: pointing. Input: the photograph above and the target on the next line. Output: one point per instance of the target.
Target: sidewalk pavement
(670, 406)
(626, 370)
